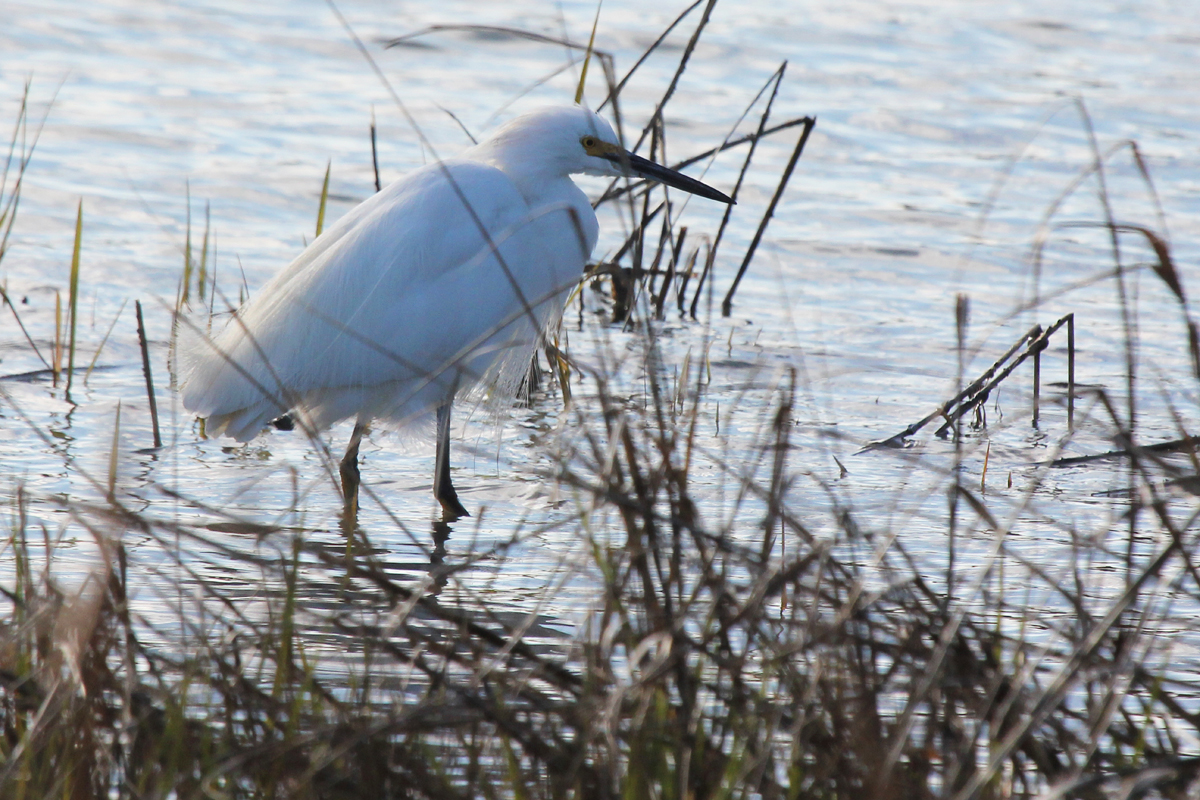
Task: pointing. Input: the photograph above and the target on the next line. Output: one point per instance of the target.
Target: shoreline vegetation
(786, 658)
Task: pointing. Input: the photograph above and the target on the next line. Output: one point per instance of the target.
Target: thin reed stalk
(103, 341)
(146, 372)
(56, 365)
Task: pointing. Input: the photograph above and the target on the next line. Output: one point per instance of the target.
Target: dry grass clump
(750, 661)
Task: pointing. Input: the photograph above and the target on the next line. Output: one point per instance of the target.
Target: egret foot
(350, 476)
(451, 509)
(443, 490)
(284, 422)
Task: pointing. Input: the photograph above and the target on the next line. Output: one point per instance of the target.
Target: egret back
(427, 287)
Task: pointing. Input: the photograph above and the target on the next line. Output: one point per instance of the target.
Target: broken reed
(974, 395)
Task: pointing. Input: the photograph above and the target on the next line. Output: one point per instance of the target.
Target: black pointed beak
(646, 168)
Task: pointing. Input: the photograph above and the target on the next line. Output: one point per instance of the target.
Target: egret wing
(423, 288)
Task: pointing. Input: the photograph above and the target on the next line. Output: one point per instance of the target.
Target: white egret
(446, 277)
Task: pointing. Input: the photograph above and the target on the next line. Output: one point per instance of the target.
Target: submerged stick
(1034, 341)
(141, 327)
(1071, 371)
(1175, 445)
(1037, 384)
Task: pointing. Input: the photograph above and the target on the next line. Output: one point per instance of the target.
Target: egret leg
(443, 490)
(349, 471)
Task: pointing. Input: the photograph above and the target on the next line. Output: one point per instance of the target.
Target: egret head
(573, 140)
(606, 157)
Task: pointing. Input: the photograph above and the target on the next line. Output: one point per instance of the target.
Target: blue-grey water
(945, 133)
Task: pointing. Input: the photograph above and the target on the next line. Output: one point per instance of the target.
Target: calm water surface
(921, 108)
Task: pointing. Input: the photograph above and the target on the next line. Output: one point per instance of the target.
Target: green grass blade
(202, 273)
(73, 298)
(587, 59)
(324, 198)
(187, 253)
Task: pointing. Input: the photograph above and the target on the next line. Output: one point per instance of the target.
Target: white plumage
(446, 277)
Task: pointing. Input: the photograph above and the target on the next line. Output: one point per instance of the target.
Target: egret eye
(588, 142)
